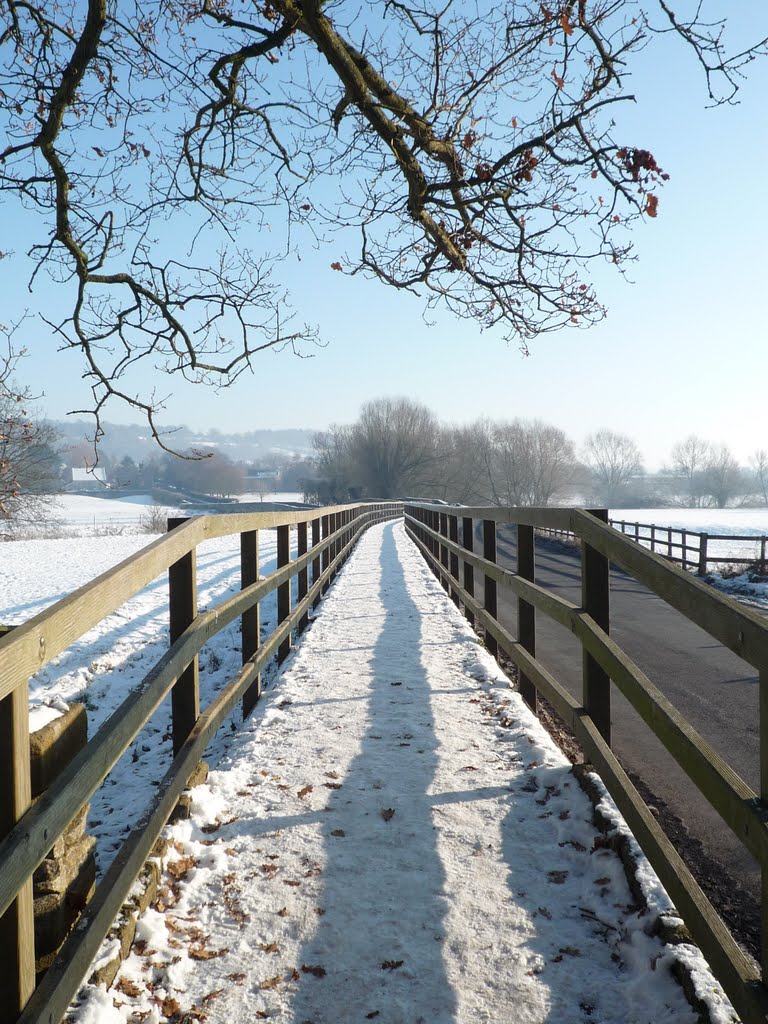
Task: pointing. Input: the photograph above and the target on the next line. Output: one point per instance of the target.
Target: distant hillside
(133, 439)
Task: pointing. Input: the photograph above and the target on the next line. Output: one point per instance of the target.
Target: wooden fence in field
(325, 538)
(446, 538)
(691, 549)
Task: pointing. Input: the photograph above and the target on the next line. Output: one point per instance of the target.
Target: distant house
(261, 474)
(94, 479)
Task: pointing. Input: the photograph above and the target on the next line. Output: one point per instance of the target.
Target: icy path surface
(393, 837)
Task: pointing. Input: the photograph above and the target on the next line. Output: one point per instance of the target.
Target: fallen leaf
(304, 792)
(199, 953)
(388, 813)
(271, 982)
(236, 978)
(338, 832)
(332, 785)
(392, 965)
(269, 947)
(206, 1000)
(283, 912)
(170, 1006)
(294, 975)
(331, 775)
(291, 882)
(316, 969)
(179, 868)
(602, 881)
(128, 988)
(557, 877)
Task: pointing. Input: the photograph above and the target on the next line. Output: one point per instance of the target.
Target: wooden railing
(437, 529)
(28, 832)
(693, 549)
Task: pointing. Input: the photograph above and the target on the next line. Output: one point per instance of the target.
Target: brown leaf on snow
(557, 877)
(391, 965)
(388, 813)
(179, 868)
(236, 978)
(207, 1000)
(200, 953)
(283, 912)
(331, 775)
(602, 881)
(269, 947)
(338, 832)
(128, 988)
(332, 785)
(304, 792)
(170, 1007)
(372, 1014)
(271, 982)
(269, 869)
(291, 882)
(294, 975)
(469, 768)
(316, 969)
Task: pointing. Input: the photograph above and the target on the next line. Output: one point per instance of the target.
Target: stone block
(53, 747)
(56, 912)
(58, 874)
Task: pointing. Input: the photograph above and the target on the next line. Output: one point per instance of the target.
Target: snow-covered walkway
(393, 837)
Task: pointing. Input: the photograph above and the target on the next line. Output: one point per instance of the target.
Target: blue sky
(683, 349)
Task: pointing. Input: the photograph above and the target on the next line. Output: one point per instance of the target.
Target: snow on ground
(743, 522)
(292, 497)
(100, 669)
(392, 836)
(95, 511)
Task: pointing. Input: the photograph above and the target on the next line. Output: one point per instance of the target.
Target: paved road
(715, 690)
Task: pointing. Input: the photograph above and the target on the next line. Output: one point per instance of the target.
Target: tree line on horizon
(398, 448)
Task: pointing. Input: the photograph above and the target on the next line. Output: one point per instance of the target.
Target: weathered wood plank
(595, 599)
(17, 938)
(284, 590)
(182, 606)
(526, 612)
(250, 620)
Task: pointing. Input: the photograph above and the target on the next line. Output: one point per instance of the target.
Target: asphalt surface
(713, 688)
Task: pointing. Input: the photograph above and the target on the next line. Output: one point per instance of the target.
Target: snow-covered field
(744, 522)
(393, 836)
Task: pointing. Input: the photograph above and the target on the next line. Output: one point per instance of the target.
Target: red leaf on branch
(336, 266)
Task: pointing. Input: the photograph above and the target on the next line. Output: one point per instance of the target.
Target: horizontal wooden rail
(27, 841)
(735, 802)
(742, 631)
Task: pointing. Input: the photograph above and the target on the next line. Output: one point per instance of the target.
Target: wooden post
(526, 613)
(468, 542)
(326, 555)
(182, 600)
(596, 603)
(489, 599)
(637, 532)
(453, 534)
(653, 537)
(703, 537)
(684, 539)
(303, 584)
(316, 560)
(249, 621)
(17, 926)
(284, 590)
(762, 556)
(444, 551)
(669, 542)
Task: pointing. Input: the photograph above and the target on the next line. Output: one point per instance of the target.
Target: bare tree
(526, 462)
(614, 460)
(722, 476)
(475, 149)
(395, 447)
(333, 464)
(759, 462)
(689, 462)
(28, 465)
